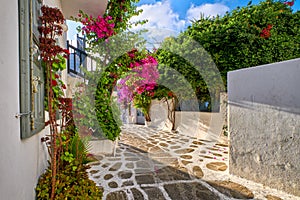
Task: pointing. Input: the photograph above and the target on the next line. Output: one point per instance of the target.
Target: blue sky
(179, 12)
(181, 7)
(168, 17)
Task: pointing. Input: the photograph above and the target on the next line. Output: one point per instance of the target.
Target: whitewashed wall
(21, 161)
(264, 124)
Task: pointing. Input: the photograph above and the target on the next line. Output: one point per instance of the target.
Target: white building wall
(264, 124)
(21, 161)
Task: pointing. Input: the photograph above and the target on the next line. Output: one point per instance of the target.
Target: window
(31, 71)
(77, 58)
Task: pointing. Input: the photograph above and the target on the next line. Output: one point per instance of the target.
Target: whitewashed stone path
(157, 165)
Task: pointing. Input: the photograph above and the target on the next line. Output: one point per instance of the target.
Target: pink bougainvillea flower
(140, 90)
(64, 86)
(56, 76)
(150, 87)
(102, 27)
(141, 80)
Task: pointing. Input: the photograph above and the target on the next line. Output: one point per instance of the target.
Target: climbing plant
(107, 45)
(115, 20)
(106, 84)
(139, 84)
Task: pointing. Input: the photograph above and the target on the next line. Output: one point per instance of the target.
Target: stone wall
(264, 124)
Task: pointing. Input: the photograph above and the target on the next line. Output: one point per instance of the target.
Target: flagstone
(197, 171)
(94, 171)
(184, 151)
(125, 174)
(217, 166)
(175, 147)
(221, 145)
(186, 156)
(132, 159)
(142, 164)
(119, 195)
(189, 191)
(108, 176)
(232, 189)
(137, 194)
(197, 143)
(153, 193)
(145, 179)
(163, 144)
(127, 183)
(129, 165)
(115, 167)
(113, 184)
(185, 162)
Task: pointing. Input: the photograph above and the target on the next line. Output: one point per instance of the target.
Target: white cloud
(160, 15)
(208, 10)
(162, 21)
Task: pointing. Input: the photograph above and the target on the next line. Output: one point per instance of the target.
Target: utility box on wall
(264, 124)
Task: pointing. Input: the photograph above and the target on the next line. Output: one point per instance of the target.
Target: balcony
(79, 61)
(91, 7)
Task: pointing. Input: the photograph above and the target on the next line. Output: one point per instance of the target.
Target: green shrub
(71, 183)
(249, 36)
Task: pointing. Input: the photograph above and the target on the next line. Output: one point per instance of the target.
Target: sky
(169, 17)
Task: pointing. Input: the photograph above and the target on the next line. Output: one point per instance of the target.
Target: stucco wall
(264, 124)
(21, 161)
(205, 125)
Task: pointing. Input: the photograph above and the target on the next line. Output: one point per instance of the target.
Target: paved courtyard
(152, 164)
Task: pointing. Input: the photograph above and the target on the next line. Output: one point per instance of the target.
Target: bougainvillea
(111, 65)
(142, 77)
(139, 85)
(97, 28)
(124, 68)
(115, 20)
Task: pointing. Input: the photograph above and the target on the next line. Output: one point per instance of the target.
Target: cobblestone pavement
(157, 165)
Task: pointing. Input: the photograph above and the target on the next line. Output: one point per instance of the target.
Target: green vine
(95, 104)
(103, 96)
